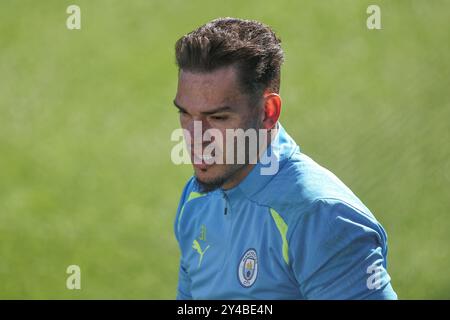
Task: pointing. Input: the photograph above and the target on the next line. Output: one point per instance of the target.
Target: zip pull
(226, 203)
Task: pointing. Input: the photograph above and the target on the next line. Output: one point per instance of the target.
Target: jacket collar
(278, 153)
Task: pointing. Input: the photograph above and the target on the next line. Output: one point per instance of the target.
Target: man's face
(214, 99)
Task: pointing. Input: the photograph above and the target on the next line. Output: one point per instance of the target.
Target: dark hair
(249, 45)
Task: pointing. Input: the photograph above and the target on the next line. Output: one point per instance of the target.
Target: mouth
(202, 162)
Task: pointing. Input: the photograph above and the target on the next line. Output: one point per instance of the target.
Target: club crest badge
(248, 268)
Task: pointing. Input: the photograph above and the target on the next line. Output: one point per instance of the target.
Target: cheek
(217, 170)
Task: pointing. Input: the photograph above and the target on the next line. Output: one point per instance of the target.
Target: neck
(238, 177)
(244, 171)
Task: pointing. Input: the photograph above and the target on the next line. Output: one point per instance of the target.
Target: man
(295, 233)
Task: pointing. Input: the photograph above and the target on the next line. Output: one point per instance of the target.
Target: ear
(272, 110)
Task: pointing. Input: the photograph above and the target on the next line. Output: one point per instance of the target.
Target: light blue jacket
(297, 234)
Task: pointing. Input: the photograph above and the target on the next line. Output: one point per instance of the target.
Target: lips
(199, 159)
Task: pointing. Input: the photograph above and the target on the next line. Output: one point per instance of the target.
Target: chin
(210, 179)
(206, 175)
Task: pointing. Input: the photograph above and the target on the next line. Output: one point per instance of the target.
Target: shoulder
(302, 188)
(189, 193)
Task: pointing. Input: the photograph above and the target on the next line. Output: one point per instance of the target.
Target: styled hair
(250, 46)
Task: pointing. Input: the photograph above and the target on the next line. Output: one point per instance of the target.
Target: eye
(219, 118)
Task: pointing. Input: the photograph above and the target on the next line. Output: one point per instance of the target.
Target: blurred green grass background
(86, 117)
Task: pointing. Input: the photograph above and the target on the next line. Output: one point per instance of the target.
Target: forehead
(200, 91)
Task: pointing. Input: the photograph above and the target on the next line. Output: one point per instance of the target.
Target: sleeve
(339, 252)
(184, 284)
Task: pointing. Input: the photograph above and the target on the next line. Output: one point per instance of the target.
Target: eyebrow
(209, 112)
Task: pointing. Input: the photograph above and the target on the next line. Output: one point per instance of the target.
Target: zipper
(228, 223)
(225, 197)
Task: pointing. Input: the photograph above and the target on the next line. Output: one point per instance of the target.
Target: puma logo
(196, 246)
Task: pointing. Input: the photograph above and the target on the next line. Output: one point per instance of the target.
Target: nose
(197, 128)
